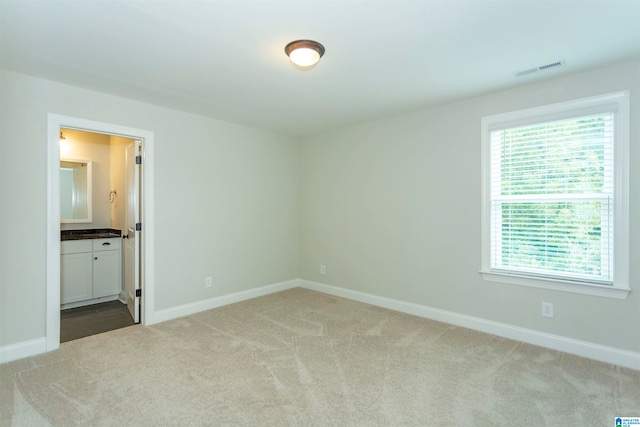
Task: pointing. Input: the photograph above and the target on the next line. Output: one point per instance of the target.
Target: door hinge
(138, 293)
(138, 226)
(138, 160)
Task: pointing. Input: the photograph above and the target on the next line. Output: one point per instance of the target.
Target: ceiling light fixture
(305, 54)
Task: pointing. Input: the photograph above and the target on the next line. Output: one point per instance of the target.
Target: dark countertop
(92, 233)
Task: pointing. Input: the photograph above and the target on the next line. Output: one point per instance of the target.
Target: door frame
(54, 123)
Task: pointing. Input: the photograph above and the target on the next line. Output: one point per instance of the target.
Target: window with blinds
(552, 198)
(555, 196)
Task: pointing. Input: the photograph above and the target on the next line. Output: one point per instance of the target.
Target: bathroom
(98, 194)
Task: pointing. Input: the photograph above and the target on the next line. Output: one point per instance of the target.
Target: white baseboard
(620, 357)
(208, 304)
(615, 356)
(23, 349)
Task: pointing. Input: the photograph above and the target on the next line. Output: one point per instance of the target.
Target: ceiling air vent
(539, 68)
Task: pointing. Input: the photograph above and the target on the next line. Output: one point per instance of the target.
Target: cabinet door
(106, 273)
(76, 277)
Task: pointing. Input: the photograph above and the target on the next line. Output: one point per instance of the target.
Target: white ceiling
(225, 59)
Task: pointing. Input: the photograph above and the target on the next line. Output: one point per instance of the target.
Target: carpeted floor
(302, 358)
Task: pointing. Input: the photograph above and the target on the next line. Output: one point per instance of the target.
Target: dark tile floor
(93, 319)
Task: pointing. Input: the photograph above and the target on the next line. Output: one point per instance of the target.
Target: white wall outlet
(208, 282)
(323, 269)
(547, 309)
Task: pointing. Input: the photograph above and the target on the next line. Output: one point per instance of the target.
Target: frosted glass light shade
(304, 57)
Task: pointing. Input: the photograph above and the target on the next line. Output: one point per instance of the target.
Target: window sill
(557, 285)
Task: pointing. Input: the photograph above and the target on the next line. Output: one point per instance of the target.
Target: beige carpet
(302, 358)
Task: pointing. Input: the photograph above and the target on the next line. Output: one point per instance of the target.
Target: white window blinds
(551, 191)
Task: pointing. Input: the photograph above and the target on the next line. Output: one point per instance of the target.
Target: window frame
(618, 103)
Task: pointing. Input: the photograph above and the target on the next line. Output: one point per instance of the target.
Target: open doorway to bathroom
(100, 206)
(143, 231)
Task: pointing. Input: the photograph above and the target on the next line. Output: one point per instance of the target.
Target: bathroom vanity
(90, 266)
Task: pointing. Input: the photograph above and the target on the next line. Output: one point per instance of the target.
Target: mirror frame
(89, 192)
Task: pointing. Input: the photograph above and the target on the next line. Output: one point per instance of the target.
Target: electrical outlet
(323, 269)
(208, 282)
(547, 309)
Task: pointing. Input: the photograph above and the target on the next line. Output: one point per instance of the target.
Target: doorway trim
(54, 123)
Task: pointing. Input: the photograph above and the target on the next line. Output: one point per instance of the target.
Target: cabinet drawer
(106, 244)
(75, 246)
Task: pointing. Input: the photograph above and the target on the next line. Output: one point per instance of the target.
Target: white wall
(226, 200)
(392, 208)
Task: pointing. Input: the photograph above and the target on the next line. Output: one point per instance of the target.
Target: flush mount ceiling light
(304, 53)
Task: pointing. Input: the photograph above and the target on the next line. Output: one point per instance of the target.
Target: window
(555, 196)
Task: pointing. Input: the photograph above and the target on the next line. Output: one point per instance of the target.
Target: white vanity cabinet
(90, 269)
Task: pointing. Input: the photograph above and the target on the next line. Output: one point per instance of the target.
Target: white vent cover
(539, 68)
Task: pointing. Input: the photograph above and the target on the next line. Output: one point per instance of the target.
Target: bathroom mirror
(75, 191)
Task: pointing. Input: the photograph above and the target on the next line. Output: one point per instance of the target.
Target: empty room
(339, 213)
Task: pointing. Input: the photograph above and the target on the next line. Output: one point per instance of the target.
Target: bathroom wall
(95, 147)
(118, 200)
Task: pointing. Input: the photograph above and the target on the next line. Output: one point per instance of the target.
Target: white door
(132, 242)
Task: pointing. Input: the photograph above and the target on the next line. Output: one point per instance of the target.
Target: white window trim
(620, 100)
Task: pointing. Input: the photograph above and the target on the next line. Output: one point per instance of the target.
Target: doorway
(99, 207)
(141, 244)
